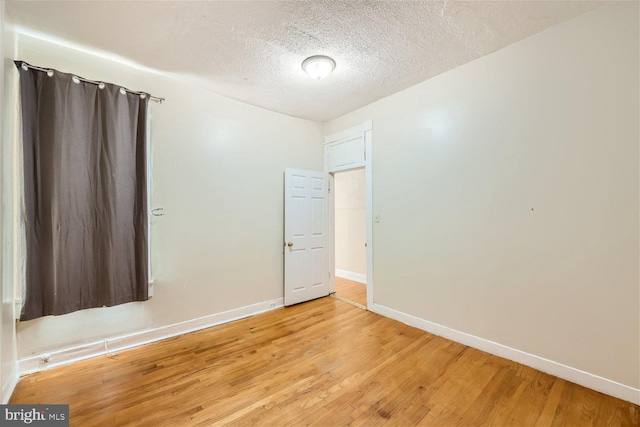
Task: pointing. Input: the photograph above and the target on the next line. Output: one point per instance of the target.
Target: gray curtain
(85, 197)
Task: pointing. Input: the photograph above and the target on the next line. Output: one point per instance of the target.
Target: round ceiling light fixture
(318, 66)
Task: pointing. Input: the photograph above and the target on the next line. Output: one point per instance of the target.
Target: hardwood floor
(351, 291)
(324, 362)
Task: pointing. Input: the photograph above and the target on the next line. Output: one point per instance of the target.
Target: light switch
(376, 217)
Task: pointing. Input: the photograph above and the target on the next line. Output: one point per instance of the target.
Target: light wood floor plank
(324, 362)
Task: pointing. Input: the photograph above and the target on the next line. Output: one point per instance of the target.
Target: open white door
(306, 235)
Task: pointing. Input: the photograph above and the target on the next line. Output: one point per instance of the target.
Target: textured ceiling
(252, 51)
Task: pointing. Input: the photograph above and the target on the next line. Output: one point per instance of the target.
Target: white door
(306, 235)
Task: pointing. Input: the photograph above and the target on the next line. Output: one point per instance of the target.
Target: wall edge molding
(350, 275)
(583, 378)
(117, 343)
(9, 385)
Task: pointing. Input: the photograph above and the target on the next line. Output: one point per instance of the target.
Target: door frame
(365, 130)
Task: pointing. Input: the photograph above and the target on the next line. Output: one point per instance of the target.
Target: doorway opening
(350, 239)
(344, 152)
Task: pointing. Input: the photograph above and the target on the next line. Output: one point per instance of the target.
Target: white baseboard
(565, 372)
(9, 385)
(113, 344)
(350, 275)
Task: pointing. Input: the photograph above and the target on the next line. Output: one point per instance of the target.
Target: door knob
(289, 244)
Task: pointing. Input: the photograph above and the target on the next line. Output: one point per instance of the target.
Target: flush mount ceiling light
(318, 66)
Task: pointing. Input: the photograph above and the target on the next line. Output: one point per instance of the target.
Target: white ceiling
(252, 50)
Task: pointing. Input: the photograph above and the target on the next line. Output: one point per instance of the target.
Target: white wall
(218, 171)
(350, 226)
(8, 366)
(508, 193)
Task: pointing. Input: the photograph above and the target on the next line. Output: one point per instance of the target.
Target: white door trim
(364, 129)
(368, 186)
(331, 248)
(353, 132)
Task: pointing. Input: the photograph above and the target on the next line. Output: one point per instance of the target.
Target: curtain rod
(77, 79)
